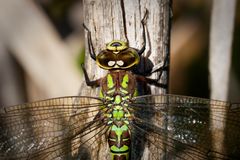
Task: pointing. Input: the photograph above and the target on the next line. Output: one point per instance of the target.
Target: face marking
(120, 63)
(111, 63)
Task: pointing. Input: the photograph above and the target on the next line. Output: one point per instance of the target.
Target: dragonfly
(120, 124)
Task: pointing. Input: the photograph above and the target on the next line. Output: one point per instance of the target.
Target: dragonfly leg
(164, 66)
(151, 81)
(159, 68)
(156, 83)
(90, 45)
(143, 21)
(94, 83)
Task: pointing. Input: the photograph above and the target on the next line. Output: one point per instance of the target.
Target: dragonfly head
(117, 55)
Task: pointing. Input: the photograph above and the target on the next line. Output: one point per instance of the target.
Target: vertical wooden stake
(121, 20)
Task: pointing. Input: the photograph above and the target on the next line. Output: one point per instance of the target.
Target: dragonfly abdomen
(119, 142)
(119, 138)
(117, 89)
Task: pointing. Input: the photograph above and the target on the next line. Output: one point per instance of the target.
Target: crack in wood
(124, 20)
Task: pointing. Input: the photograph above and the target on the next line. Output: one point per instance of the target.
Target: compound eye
(128, 58)
(120, 63)
(106, 59)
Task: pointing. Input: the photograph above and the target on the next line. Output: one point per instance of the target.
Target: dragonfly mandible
(126, 125)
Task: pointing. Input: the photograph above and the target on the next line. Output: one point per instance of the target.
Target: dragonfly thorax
(119, 84)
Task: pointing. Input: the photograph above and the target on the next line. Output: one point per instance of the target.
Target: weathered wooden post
(221, 37)
(121, 20)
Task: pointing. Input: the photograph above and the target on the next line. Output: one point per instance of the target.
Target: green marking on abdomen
(124, 149)
(118, 115)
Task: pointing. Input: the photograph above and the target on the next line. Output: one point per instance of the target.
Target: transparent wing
(164, 127)
(59, 128)
(180, 127)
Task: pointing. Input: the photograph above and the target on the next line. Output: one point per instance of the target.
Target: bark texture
(121, 20)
